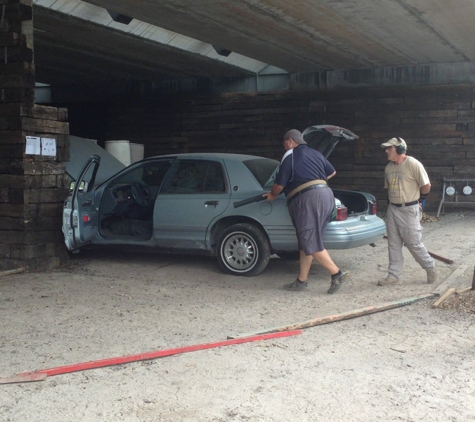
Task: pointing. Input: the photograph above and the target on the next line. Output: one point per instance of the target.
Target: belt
(405, 205)
(300, 192)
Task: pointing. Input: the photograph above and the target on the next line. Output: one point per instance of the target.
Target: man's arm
(424, 192)
(425, 189)
(274, 193)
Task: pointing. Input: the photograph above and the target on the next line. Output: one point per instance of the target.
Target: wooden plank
(441, 258)
(462, 291)
(339, 317)
(447, 294)
(45, 112)
(10, 272)
(450, 280)
(8, 39)
(45, 125)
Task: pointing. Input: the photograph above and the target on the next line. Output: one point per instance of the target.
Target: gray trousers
(403, 226)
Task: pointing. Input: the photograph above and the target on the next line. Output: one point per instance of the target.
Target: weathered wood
(44, 125)
(22, 237)
(10, 272)
(12, 95)
(462, 291)
(32, 188)
(339, 317)
(450, 280)
(48, 113)
(8, 39)
(447, 294)
(441, 258)
(18, 11)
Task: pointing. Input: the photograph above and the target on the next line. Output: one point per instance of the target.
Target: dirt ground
(409, 363)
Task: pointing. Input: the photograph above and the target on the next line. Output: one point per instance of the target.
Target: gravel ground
(407, 363)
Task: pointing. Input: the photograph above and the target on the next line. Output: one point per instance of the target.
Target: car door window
(196, 176)
(117, 197)
(263, 170)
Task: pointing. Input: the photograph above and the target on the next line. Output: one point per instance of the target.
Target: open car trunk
(324, 138)
(356, 202)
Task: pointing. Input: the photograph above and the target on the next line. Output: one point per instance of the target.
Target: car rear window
(262, 169)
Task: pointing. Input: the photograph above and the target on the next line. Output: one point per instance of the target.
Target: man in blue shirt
(303, 176)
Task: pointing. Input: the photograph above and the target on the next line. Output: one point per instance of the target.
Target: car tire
(243, 249)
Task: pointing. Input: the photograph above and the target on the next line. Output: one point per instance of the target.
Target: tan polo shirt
(404, 181)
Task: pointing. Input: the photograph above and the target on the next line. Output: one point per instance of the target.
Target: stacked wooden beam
(436, 122)
(32, 186)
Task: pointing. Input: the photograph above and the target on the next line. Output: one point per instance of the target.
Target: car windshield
(262, 169)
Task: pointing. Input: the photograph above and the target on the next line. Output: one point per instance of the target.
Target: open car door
(80, 213)
(324, 138)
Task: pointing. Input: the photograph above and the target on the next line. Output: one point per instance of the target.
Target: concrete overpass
(108, 42)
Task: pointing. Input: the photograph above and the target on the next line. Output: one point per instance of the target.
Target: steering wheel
(140, 193)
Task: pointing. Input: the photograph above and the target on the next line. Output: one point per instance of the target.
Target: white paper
(33, 145)
(48, 146)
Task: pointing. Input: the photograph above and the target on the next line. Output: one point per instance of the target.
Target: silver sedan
(211, 204)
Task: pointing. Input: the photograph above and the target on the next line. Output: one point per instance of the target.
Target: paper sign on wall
(33, 145)
(48, 146)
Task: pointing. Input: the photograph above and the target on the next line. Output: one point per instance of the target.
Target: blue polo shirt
(300, 165)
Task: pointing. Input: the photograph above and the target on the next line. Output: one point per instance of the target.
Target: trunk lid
(324, 138)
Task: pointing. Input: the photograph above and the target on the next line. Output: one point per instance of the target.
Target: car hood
(324, 138)
(81, 150)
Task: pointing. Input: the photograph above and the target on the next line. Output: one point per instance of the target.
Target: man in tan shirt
(407, 184)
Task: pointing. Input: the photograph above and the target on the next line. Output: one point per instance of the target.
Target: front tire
(243, 249)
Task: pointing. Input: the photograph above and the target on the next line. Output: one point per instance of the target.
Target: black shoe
(337, 281)
(296, 285)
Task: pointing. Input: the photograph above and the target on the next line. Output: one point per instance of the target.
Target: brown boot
(431, 275)
(389, 280)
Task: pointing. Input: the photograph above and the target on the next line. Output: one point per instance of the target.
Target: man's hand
(422, 200)
(274, 193)
(270, 196)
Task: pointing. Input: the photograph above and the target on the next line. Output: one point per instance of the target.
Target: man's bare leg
(322, 257)
(305, 264)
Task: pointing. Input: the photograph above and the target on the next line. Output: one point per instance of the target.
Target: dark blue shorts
(310, 214)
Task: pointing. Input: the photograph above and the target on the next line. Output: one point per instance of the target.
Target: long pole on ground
(41, 374)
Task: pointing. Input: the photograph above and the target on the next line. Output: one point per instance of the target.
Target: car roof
(215, 155)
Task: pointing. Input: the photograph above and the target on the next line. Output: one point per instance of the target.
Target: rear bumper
(355, 232)
(351, 233)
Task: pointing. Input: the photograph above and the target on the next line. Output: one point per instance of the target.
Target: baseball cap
(296, 135)
(394, 142)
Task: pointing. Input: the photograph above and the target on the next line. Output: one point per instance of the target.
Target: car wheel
(243, 249)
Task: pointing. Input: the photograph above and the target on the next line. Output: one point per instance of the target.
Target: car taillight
(341, 213)
(373, 208)
(86, 218)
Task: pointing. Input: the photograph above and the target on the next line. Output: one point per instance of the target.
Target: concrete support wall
(32, 186)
